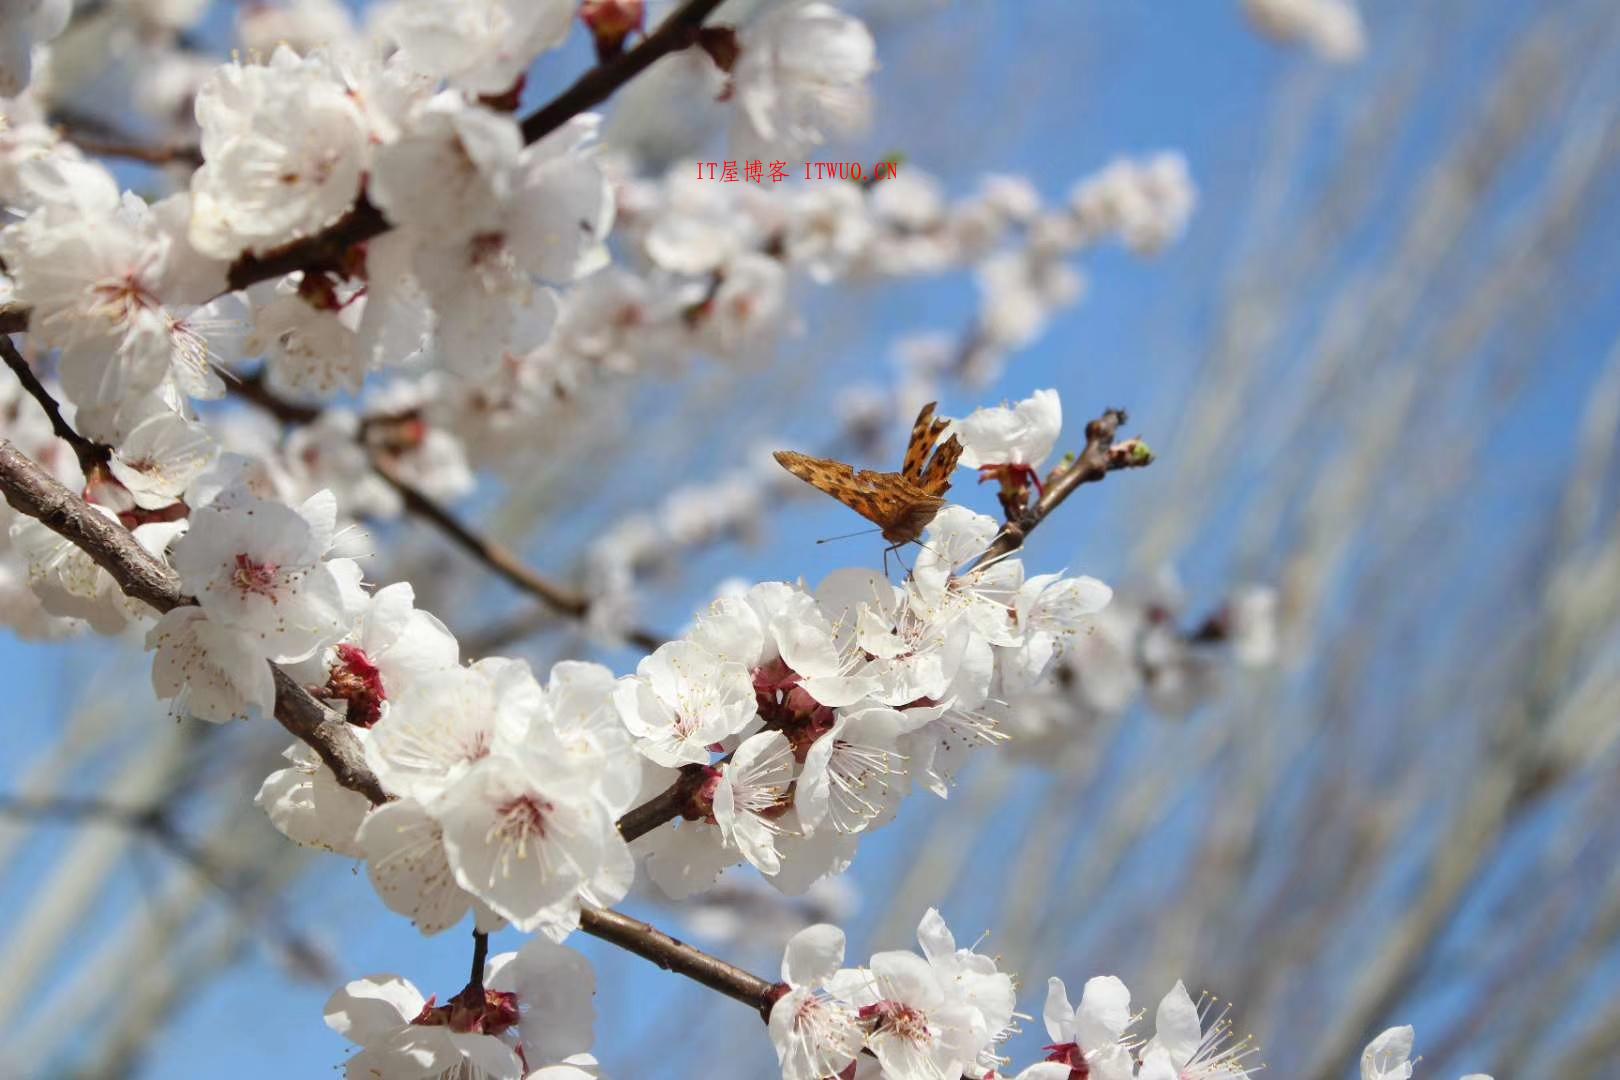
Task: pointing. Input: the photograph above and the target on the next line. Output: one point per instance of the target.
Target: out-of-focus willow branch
(155, 822)
(497, 557)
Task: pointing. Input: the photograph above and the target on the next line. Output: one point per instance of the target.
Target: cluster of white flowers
(1139, 648)
(945, 1013)
(792, 720)
(530, 1018)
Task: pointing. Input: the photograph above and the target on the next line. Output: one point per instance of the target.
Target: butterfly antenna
(845, 536)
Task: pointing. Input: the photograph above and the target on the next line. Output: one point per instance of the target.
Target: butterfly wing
(936, 479)
(888, 500)
(924, 433)
(841, 481)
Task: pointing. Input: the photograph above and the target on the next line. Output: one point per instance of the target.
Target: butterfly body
(901, 504)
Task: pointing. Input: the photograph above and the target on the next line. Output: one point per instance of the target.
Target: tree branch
(90, 454)
(638, 821)
(475, 983)
(653, 944)
(325, 250)
(101, 139)
(678, 31)
(1100, 457)
(32, 491)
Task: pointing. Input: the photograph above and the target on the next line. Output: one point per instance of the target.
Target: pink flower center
(121, 300)
(898, 1019)
(494, 1013)
(524, 816)
(252, 576)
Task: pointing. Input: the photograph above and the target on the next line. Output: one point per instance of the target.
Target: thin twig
(255, 389)
(89, 453)
(678, 31)
(115, 144)
(499, 558)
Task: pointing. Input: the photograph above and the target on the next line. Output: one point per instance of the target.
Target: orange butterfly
(901, 504)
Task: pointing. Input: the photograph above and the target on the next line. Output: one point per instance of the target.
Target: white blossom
(285, 147)
(1330, 27)
(799, 77)
(481, 46)
(815, 1035)
(260, 568)
(682, 700)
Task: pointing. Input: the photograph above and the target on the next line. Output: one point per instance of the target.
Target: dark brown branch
(324, 250)
(31, 490)
(475, 983)
(253, 388)
(497, 557)
(653, 944)
(640, 820)
(90, 454)
(678, 31)
(13, 318)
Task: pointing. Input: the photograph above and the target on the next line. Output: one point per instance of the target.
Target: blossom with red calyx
(610, 22)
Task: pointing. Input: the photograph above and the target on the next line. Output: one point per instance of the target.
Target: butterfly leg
(895, 548)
